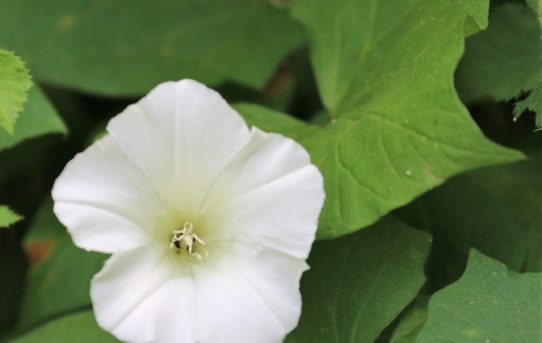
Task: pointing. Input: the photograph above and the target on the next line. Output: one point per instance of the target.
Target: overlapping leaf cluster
(415, 245)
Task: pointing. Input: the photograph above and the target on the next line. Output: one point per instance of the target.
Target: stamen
(186, 237)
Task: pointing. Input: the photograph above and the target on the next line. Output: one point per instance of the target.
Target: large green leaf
(8, 217)
(75, 328)
(504, 60)
(358, 284)
(37, 118)
(126, 47)
(488, 304)
(385, 72)
(59, 275)
(14, 83)
(370, 169)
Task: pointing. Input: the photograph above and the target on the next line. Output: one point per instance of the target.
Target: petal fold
(252, 297)
(181, 134)
(269, 195)
(105, 201)
(140, 298)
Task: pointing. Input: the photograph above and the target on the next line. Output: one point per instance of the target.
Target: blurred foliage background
(90, 59)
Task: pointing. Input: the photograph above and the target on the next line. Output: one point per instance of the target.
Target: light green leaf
(271, 120)
(74, 328)
(411, 322)
(373, 166)
(532, 103)
(358, 284)
(125, 47)
(504, 60)
(38, 118)
(14, 83)
(371, 54)
(488, 304)
(59, 274)
(8, 217)
(397, 129)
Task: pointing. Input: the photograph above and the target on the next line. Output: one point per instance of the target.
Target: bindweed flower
(209, 223)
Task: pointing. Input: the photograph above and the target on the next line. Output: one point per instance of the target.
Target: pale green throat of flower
(185, 239)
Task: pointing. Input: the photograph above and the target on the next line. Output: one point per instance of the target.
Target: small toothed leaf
(8, 217)
(14, 84)
(532, 103)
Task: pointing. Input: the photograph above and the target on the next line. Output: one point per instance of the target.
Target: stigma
(185, 239)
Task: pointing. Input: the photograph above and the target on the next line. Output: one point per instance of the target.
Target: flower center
(185, 239)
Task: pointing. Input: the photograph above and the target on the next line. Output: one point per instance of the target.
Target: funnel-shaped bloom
(209, 222)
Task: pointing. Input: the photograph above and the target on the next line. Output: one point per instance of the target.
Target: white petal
(139, 298)
(182, 134)
(252, 297)
(104, 200)
(269, 195)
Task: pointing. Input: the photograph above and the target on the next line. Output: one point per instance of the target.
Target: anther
(187, 237)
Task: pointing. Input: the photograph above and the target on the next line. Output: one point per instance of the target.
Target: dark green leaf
(75, 328)
(126, 47)
(504, 60)
(59, 274)
(496, 210)
(532, 103)
(488, 304)
(37, 118)
(411, 322)
(359, 283)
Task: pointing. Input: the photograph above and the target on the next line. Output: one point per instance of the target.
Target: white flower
(209, 222)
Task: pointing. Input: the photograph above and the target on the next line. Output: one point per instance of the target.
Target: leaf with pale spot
(385, 74)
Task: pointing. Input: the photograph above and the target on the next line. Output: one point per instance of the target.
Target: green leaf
(477, 16)
(14, 83)
(488, 304)
(411, 322)
(59, 274)
(518, 187)
(356, 54)
(374, 165)
(504, 60)
(271, 120)
(358, 284)
(75, 328)
(532, 103)
(38, 118)
(8, 217)
(397, 127)
(126, 47)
